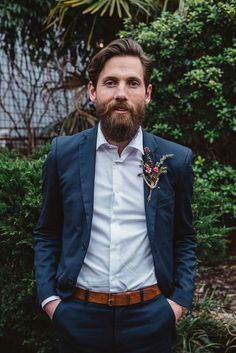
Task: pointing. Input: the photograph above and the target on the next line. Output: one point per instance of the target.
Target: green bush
(213, 208)
(194, 76)
(23, 327)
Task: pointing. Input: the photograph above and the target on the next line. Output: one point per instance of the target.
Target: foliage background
(194, 76)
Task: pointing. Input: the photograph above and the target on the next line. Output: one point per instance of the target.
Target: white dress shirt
(119, 254)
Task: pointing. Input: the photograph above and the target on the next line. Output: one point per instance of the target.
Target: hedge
(194, 76)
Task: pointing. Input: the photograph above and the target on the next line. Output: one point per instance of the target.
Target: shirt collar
(136, 142)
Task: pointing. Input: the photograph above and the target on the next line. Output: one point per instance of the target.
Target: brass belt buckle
(109, 301)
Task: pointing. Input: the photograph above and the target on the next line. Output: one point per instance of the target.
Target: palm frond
(105, 9)
(120, 8)
(125, 6)
(95, 7)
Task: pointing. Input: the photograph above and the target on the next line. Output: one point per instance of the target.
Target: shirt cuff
(49, 299)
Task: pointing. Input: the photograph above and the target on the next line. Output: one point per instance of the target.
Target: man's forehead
(122, 65)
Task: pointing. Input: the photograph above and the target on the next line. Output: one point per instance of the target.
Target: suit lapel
(151, 206)
(87, 157)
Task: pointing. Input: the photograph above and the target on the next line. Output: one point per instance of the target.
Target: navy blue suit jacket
(63, 230)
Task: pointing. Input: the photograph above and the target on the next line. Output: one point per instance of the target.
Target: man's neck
(120, 145)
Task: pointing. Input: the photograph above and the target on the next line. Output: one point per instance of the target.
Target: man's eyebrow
(135, 78)
(115, 78)
(109, 78)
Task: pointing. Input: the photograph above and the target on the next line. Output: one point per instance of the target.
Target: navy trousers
(85, 327)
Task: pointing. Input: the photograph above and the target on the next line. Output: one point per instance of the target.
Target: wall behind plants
(194, 76)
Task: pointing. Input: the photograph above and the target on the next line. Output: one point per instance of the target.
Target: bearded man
(114, 244)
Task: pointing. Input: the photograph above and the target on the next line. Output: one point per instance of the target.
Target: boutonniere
(152, 171)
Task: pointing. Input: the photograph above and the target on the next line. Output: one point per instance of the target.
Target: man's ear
(92, 91)
(148, 94)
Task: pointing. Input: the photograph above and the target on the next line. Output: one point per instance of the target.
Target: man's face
(121, 97)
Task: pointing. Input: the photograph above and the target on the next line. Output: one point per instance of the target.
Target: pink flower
(147, 168)
(156, 169)
(152, 170)
(146, 150)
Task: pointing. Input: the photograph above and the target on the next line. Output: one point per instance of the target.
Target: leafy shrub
(194, 76)
(23, 328)
(213, 208)
(206, 333)
(209, 330)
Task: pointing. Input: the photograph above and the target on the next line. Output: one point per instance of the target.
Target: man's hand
(177, 309)
(51, 306)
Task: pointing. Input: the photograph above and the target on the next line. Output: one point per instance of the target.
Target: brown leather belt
(118, 299)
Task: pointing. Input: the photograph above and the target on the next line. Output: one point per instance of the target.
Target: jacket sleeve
(48, 231)
(184, 236)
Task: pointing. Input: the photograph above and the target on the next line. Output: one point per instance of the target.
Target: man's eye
(134, 83)
(110, 83)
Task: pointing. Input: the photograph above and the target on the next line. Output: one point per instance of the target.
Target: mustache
(115, 106)
(121, 106)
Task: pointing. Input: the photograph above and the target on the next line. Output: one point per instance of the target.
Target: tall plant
(194, 76)
(100, 10)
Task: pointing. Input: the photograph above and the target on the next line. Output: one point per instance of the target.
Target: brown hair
(119, 47)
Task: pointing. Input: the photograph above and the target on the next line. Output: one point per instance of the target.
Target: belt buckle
(109, 301)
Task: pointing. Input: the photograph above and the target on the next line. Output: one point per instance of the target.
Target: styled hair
(119, 47)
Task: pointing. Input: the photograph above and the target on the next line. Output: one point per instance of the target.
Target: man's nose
(120, 94)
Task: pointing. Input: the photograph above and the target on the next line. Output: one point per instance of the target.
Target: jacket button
(83, 247)
(70, 282)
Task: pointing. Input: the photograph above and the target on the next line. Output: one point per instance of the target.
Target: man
(115, 250)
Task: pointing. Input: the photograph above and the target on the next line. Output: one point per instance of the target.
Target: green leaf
(105, 9)
(112, 6)
(119, 9)
(95, 7)
(125, 6)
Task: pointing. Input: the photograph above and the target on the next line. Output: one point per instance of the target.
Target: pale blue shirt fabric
(119, 254)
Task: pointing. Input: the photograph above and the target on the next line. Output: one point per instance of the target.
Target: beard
(119, 127)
